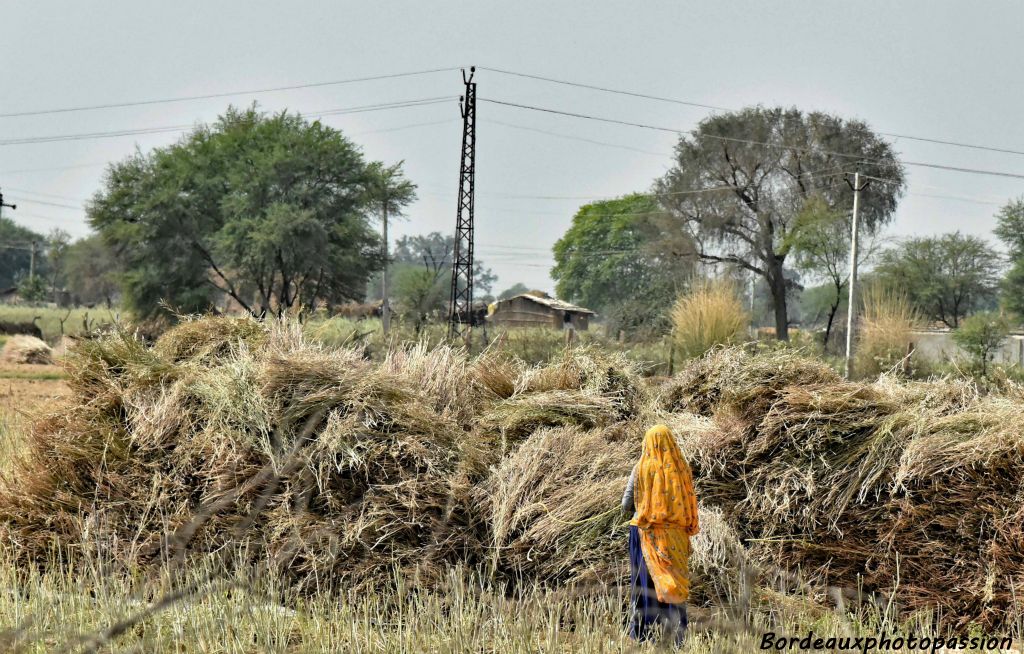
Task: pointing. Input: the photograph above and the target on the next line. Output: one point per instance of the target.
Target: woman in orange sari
(664, 507)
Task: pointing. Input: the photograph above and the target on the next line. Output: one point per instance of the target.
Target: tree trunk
(777, 283)
(833, 310)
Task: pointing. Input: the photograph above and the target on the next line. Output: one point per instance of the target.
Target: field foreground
(281, 494)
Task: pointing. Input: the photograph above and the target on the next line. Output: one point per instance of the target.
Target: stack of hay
(861, 484)
(226, 432)
(232, 436)
(27, 349)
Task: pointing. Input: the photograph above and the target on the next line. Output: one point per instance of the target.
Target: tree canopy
(92, 271)
(14, 263)
(433, 252)
(269, 210)
(607, 261)
(946, 277)
(740, 180)
(1010, 230)
(516, 289)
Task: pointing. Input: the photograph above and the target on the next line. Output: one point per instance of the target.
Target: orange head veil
(664, 484)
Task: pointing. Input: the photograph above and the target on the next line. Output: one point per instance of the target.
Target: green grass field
(75, 321)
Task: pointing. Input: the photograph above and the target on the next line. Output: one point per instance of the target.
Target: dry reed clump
(27, 349)
(708, 315)
(866, 483)
(884, 332)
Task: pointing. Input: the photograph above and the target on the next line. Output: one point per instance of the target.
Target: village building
(538, 310)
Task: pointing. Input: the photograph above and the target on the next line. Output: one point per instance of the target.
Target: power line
(579, 138)
(45, 195)
(51, 204)
(401, 104)
(186, 98)
(52, 168)
(688, 103)
(106, 163)
(592, 87)
(571, 114)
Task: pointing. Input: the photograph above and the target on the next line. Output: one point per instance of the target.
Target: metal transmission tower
(460, 308)
(4, 204)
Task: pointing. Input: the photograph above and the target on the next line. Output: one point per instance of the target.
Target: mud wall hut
(530, 310)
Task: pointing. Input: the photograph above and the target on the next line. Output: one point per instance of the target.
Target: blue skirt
(646, 610)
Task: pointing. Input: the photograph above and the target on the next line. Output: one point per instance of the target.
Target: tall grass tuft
(885, 330)
(709, 314)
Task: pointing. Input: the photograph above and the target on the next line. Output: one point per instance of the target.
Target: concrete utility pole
(32, 264)
(385, 309)
(851, 309)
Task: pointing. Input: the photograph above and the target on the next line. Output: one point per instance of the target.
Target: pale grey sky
(944, 70)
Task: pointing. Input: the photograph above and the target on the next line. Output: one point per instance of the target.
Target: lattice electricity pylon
(460, 307)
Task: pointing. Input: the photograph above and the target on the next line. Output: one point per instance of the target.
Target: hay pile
(360, 467)
(232, 436)
(330, 467)
(921, 481)
(27, 349)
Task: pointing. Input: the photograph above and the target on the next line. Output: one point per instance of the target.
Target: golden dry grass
(707, 315)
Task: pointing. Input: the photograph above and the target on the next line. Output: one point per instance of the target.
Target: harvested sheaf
(27, 349)
(554, 513)
(333, 468)
(864, 484)
(228, 435)
(360, 468)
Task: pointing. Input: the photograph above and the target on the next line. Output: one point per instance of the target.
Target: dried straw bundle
(356, 467)
(26, 349)
(859, 482)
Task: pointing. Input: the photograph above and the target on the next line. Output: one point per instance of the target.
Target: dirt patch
(31, 388)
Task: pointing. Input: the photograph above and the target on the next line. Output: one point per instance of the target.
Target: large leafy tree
(92, 271)
(1010, 230)
(16, 242)
(269, 210)
(432, 252)
(820, 243)
(740, 180)
(608, 261)
(947, 277)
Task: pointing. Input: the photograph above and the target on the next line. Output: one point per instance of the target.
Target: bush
(980, 336)
(708, 315)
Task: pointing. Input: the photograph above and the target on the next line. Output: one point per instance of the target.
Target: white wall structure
(938, 345)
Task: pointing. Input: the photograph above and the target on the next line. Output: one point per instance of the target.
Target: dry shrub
(27, 349)
(884, 330)
(707, 315)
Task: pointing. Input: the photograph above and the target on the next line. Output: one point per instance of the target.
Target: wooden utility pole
(851, 309)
